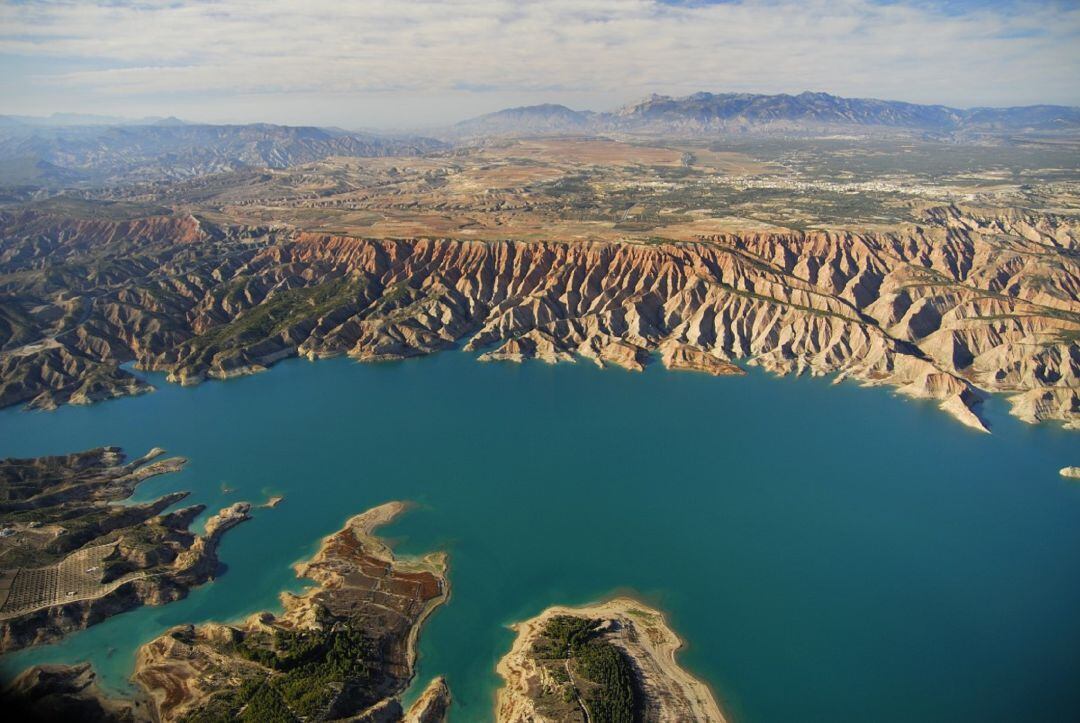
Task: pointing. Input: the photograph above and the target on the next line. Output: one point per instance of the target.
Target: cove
(829, 552)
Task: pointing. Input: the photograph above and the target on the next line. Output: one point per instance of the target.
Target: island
(613, 661)
(273, 501)
(346, 648)
(72, 558)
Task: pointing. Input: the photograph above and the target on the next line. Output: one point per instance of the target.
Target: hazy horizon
(105, 119)
(385, 65)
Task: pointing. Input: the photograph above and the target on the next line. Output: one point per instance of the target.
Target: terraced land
(77, 577)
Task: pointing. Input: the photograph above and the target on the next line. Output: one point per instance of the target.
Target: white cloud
(204, 56)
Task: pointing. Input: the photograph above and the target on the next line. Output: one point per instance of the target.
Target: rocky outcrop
(199, 560)
(679, 356)
(974, 301)
(47, 237)
(432, 705)
(547, 676)
(1070, 472)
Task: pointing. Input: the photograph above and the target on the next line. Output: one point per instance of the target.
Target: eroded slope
(971, 299)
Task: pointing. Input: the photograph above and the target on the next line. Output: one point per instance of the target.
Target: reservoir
(829, 553)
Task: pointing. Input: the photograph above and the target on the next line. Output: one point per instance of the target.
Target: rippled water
(829, 552)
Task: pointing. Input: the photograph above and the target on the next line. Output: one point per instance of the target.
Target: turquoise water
(830, 552)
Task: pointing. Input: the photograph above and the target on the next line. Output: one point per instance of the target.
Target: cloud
(204, 52)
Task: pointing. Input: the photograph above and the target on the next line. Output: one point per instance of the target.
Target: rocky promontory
(432, 705)
(610, 661)
(685, 357)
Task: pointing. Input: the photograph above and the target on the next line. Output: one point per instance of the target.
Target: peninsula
(610, 661)
(72, 558)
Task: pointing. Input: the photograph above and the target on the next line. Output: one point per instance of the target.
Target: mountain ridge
(168, 150)
(705, 112)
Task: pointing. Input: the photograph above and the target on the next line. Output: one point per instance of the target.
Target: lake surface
(830, 552)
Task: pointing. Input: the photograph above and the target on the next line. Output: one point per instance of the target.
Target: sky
(421, 63)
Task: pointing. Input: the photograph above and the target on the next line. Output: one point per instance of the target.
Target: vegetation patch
(590, 673)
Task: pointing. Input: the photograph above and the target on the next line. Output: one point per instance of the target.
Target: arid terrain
(944, 276)
(723, 354)
(944, 270)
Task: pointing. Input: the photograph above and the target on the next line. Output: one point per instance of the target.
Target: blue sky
(384, 63)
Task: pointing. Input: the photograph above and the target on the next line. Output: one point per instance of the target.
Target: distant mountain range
(68, 149)
(546, 118)
(62, 154)
(82, 119)
(703, 113)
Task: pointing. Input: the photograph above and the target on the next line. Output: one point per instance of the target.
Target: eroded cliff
(972, 300)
